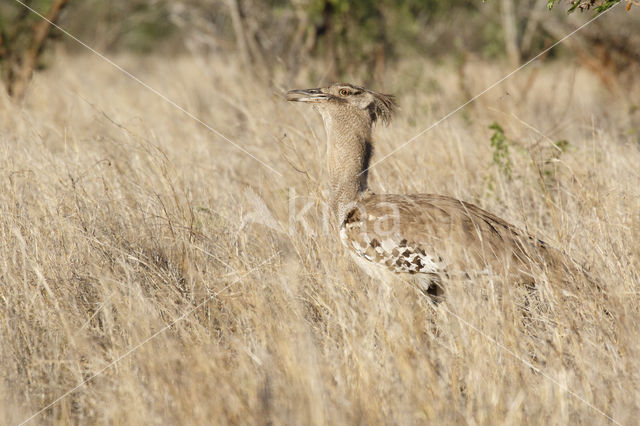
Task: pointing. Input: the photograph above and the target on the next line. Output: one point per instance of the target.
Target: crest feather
(383, 107)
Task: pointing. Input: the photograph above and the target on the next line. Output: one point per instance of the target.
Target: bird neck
(349, 151)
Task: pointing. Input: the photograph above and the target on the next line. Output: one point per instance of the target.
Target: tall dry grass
(120, 215)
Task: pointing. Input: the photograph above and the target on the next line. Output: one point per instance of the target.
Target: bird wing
(428, 233)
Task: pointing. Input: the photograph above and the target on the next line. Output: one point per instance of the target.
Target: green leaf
(606, 5)
(500, 145)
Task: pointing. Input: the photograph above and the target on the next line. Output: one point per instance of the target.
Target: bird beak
(307, 95)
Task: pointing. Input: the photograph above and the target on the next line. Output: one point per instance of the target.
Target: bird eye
(344, 92)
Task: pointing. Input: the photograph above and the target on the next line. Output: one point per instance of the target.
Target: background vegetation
(350, 38)
(147, 257)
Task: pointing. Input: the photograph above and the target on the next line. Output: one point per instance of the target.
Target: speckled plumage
(439, 236)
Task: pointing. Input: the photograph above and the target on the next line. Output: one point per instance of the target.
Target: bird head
(376, 106)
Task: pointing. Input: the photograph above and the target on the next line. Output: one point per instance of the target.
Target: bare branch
(29, 60)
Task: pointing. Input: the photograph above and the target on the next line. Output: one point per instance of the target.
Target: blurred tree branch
(509, 23)
(22, 45)
(609, 53)
(238, 28)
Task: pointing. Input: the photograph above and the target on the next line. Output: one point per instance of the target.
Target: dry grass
(119, 214)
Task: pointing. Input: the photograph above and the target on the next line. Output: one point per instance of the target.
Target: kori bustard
(432, 236)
